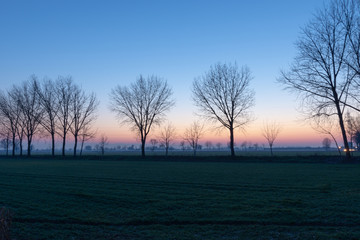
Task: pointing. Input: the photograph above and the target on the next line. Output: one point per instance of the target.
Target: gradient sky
(105, 43)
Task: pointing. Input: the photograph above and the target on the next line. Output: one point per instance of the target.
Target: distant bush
(5, 223)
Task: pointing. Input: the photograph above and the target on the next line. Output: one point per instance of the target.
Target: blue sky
(105, 43)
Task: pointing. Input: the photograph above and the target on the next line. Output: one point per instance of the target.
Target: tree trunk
(53, 144)
(143, 147)
(75, 144)
(232, 141)
(29, 148)
(271, 151)
(7, 146)
(13, 145)
(166, 151)
(343, 131)
(63, 145)
(21, 147)
(81, 147)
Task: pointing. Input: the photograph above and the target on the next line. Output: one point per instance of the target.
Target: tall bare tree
(49, 102)
(64, 96)
(270, 132)
(223, 95)
(83, 112)
(193, 134)
(142, 104)
(319, 73)
(167, 136)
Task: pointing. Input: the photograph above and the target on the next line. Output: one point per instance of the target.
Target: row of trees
(57, 108)
(222, 95)
(325, 74)
(52, 108)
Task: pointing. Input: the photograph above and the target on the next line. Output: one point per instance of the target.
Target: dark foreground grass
(81, 199)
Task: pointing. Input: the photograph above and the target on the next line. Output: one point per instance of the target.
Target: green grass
(90, 199)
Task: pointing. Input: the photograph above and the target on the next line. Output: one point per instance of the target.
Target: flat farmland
(106, 199)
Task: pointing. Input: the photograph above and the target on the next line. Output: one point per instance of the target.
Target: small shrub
(5, 223)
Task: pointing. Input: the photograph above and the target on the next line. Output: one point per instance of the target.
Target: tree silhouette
(142, 104)
(319, 73)
(103, 142)
(64, 96)
(326, 143)
(167, 136)
(193, 134)
(223, 96)
(49, 102)
(208, 144)
(270, 132)
(83, 109)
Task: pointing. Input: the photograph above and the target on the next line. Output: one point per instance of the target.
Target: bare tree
(83, 112)
(208, 144)
(64, 90)
(193, 134)
(224, 96)
(49, 102)
(326, 143)
(270, 132)
(167, 136)
(103, 142)
(32, 112)
(244, 145)
(153, 143)
(319, 73)
(182, 145)
(142, 105)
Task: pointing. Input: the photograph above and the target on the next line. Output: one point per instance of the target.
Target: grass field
(90, 199)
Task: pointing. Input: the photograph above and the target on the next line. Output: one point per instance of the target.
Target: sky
(102, 44)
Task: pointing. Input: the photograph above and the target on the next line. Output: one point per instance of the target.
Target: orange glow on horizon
(301, 136)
